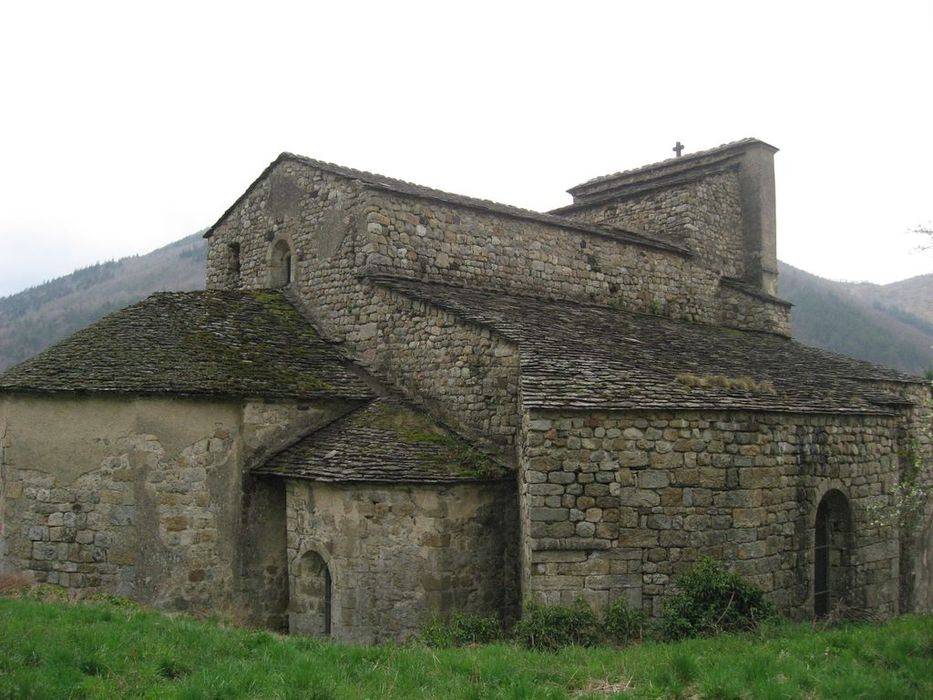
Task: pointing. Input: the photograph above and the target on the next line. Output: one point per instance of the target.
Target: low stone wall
(743, 308)
(398, 555)
(617, 504)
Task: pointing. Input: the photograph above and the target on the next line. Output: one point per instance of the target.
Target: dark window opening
(832, 548)
(235, 259)
(281, 265)
(328, 600)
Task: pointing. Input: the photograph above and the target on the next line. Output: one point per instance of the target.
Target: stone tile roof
(234, 343)
(579, 356)
(407, 188)
(385, 441)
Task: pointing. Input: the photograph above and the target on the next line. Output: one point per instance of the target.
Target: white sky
(124, 127)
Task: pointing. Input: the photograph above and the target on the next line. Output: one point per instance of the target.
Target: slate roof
(233, 343)
(589, 357)
(389, 184)
(385, 441)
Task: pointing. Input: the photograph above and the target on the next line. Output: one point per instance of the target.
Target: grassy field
(106, 650)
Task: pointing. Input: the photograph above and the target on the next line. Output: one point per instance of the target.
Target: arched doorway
(281, 264)
(311, 597)
(831, 552)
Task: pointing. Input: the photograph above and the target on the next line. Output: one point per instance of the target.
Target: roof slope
(384, 441)
(580, 356)
(235, 343)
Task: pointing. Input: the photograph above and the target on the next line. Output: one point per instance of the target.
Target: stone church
(394, 402)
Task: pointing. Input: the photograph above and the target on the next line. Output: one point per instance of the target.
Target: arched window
(311, 597)
(831, 553)
(233, 258)
(281, 264)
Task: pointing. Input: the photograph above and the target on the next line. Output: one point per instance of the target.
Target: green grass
(108, 650)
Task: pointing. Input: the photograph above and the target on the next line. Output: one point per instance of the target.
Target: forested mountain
(889, 324)
(35, 318)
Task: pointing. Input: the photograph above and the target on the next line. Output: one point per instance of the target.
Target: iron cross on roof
(678, 148)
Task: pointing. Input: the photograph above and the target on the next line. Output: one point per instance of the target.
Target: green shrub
(461, 629)
(554, 626)
(624, 624)
(711, 600)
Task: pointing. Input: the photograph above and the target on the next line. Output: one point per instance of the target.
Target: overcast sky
(126, 126)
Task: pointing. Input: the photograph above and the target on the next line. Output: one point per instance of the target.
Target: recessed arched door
(831, 552)
(311, 597)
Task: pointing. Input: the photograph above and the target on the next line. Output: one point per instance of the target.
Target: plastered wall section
(145, 498)
(617, 504)
(464, 374)
(399, 555)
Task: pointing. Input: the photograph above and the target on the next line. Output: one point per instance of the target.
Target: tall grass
(108, 650)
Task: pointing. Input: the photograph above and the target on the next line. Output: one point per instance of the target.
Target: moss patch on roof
(384, 441)
(234, 343)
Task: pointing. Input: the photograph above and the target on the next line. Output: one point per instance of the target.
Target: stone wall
(702, 215)
(144, 497)
(441, 242)
(916, 470)
(720, 203)
(617, 504)
(399, 554)
(461, 370)
(743, 308)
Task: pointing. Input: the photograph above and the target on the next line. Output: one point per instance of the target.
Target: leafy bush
(711, 600)
(461, 629)
(624, 624)
(554, 626)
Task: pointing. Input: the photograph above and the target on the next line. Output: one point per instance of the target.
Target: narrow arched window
(234, 261)
(281, 264)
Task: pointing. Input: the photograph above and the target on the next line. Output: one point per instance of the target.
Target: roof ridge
(722, 148)
(413, 189)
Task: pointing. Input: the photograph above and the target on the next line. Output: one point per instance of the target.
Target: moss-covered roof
(232, 343)
(385, 441)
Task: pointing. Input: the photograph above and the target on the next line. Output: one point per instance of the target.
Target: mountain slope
(878, 323)
(914, 295)
(32, 320)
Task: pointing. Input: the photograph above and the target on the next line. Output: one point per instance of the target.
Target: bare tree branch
(924, 230)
